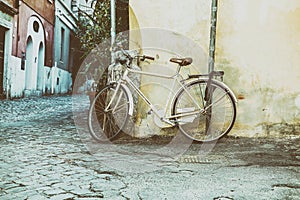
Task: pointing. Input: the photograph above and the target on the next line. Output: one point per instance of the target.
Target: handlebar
(147, 57)
(142, 57)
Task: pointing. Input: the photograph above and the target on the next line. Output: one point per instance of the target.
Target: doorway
(40, 69)
(30, 79)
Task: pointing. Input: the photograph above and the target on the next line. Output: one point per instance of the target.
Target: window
(36, 26)
(62, 44)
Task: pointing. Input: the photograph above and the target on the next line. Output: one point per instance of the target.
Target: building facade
(38, 50)
(7, 12)
(30, 57)
(64, 46)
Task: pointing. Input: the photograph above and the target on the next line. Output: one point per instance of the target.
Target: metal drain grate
(194, 159)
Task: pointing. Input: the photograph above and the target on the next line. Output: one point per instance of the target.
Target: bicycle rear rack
(214, 74)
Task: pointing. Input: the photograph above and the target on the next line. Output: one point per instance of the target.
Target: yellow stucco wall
(258, 47)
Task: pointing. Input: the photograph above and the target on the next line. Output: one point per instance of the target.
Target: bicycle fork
(128, 93)
(113, 97)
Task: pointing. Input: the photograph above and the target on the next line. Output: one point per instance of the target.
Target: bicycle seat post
(181, 63)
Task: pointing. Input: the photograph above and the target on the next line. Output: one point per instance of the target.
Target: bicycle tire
(217, 117)
(105, 126)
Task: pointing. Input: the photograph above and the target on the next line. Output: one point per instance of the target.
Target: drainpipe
(213, 30)
(113, 26)
(113, 21)
(211, 64)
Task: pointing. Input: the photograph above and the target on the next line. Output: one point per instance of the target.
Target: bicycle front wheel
(203, 118)
(104, 122)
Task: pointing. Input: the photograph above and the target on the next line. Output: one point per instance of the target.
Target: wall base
(31, 93)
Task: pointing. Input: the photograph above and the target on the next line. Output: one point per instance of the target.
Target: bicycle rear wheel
(212, 118)
(106, 125)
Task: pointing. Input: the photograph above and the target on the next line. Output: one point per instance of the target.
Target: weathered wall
(163, 32)
(16, 78)
(61, 81)
(25, 13)
(257, 47)
(190, 18)
(45, 9)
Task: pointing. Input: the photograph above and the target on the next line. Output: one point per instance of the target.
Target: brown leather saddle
(182, 61)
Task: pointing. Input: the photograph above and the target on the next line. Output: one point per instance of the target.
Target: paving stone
(7, 186)
(68, 173)
(10, 197)
(37, 197)
(50, 183)
(112, 194)
(118, 197)
(85, 193)
(66, 186)
(43, 189)
(24, 181)
(104, 185)
(4, 164)
(59, 185)
(52, 192)
(15, 190)
(26, 194)
(86, 178)
(43, 172)
(62, 196)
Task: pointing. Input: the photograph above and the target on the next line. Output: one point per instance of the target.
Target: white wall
(61, 81)
(34, 67)
(17, 77)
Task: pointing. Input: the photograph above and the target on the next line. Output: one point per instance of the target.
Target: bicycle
(203, 107)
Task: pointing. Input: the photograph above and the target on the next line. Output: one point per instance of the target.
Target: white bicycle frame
(161, 116)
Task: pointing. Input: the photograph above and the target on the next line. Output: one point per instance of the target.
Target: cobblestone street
(43, 157)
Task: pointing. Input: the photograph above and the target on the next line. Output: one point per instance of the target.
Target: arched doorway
(40, 69)
(29, 77)
(35, 56)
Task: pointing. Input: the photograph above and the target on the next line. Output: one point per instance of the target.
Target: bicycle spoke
(105, 124)
(215, 103)
(217, 117)
(118, 108)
